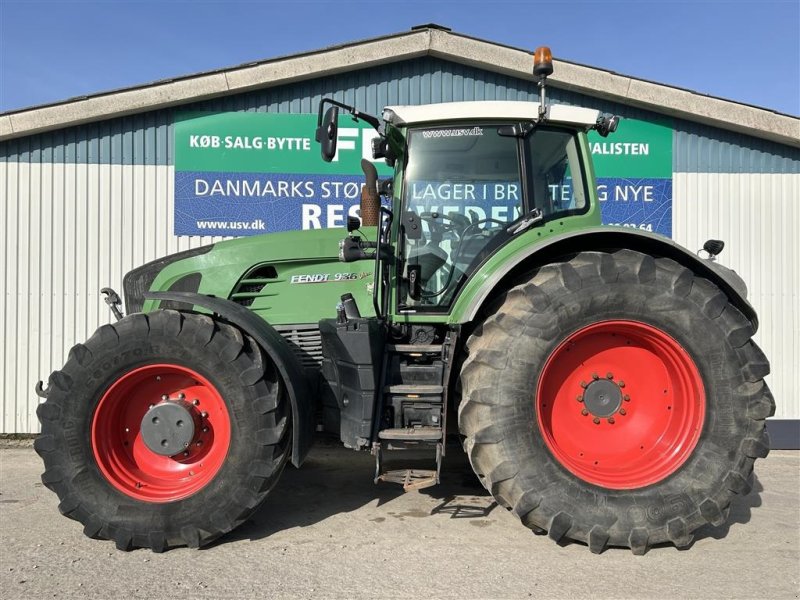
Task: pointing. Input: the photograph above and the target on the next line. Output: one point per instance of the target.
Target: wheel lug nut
(186, 454)
(621, 383)
(164, 397)
(584, 412)
(152, 405)
(195, 401)
(595, 376)
(596, 421)
(623, 412)
(199, 443)
(204, 414)
(609, 375)
(205, 429)
(626, 398)
(579, 398)
(181, 396)
(611, 420)
(584, 385)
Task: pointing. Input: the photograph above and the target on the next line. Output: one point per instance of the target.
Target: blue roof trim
(147, 138)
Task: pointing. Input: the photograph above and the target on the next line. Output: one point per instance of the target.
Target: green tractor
(605, 382)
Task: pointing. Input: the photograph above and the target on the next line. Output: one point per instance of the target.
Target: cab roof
(401, 116)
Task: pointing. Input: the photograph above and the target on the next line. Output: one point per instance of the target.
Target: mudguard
(606, 238)
(277, 349)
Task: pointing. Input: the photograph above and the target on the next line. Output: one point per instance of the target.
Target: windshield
(464, 186)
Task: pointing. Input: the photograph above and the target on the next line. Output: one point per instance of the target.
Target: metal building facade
(84, 204)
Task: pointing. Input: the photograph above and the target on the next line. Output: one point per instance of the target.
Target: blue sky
(748, 51)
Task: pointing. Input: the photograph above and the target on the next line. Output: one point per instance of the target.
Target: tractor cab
(469, 177)
(474, 175)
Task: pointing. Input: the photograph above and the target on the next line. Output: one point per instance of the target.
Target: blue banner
(208, 203)
(644, 204)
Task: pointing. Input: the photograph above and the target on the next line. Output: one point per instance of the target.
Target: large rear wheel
(615, 399)
(164, 429)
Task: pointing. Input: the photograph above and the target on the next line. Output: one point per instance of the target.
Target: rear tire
(92, 441)
(555, 448)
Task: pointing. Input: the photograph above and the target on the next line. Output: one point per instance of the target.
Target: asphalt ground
(327, 531)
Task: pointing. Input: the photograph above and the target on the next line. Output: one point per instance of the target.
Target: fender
(597, 238)
(277, 349)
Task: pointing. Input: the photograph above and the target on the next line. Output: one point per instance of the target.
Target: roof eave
(201, 87)
(453, 47)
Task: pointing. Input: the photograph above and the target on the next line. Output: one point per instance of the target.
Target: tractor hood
(268, 273)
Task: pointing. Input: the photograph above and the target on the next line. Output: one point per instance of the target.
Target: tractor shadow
(335, 480)
(740, 514)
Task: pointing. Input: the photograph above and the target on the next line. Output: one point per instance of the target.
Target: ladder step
(410, 479)
(415, 348)
(412, 434)
(414, 389)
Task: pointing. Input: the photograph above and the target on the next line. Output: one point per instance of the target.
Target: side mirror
(327, 133)
(607, 124)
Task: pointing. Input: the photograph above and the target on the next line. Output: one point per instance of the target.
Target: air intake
(251, 286)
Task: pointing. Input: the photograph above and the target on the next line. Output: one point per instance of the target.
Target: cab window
(463, 186)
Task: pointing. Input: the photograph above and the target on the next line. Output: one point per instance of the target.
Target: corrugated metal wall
(758, 214)
(81, 206)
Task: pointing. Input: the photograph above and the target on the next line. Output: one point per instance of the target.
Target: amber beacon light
(542, 62)
(542, 67)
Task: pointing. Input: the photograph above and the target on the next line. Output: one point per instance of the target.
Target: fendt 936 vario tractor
(605, 381)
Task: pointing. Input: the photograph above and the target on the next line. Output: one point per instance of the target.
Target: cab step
(422, 390)
(410, 479)
(412, 434)
(415, 348)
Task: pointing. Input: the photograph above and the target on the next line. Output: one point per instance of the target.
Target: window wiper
(528, 221)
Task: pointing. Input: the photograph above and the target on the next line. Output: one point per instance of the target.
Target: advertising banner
(250, 173)
(633, 167)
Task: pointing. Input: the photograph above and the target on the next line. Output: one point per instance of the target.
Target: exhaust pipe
(370, 200)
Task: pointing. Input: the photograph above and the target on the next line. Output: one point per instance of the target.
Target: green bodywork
(292, 254)
(311, 280)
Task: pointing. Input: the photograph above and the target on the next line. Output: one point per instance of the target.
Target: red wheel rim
(119, 448)
(650, 383)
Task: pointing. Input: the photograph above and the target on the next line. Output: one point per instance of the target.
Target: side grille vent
(251, 286)
(305, 341)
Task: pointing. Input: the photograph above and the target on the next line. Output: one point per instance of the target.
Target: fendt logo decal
(329, 277)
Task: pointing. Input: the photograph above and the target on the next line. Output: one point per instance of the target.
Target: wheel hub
(169, 427)
(602, 398)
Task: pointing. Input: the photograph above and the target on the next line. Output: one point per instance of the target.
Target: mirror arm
(356, 114)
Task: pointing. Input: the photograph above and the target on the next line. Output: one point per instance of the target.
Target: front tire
(615, 399)
(121, 473)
